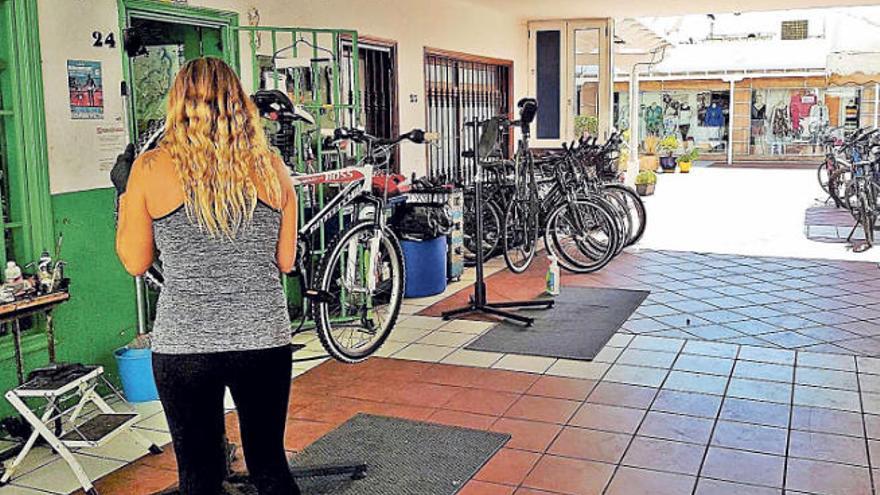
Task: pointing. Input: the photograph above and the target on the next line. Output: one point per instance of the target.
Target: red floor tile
(299, 434)
(135, 479)
(562, 388)
(569, 476)
(420, 394)
(591, 445)
(462, 419)
(527, 435)
(475, 487)
(481, 402)
(544, 409)
(508, 467)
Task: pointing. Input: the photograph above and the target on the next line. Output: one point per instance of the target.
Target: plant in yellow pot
(687, 159)
(649, 160)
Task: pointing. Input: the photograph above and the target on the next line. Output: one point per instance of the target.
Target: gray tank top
(219, 294)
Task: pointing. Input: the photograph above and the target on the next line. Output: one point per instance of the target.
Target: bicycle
(355, 286)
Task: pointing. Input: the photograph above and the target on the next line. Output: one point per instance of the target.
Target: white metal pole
(730, 122)
(632, 166)
(876, 102)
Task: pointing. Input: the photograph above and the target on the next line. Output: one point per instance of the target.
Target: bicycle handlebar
(417, 136)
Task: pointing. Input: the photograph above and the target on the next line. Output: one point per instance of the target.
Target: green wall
(101, 314)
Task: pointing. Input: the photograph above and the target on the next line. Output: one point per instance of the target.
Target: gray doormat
(403, 457)
(577, 327)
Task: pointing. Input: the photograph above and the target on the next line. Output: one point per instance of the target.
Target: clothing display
(780, 125)
(714, 116)
(654, 119)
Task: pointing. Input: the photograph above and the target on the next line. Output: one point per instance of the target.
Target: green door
(167, 45)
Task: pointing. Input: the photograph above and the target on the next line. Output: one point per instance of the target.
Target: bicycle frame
(359, 180)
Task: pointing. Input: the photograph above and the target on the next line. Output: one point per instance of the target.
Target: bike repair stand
(478, 301)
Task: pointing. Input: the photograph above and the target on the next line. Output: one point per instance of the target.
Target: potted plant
(648, 159)
(687, 159)
(586, 125)
(646, 181)
(667, 147)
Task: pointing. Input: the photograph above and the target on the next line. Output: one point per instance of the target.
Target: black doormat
(577, 327)
(403, 457)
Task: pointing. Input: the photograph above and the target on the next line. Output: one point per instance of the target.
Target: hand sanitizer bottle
(553, 285)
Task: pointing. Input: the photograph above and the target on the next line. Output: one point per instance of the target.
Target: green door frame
(226, 21)
(28, 116)
(24, 114)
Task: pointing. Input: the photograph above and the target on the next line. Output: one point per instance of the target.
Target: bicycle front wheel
(362, 283)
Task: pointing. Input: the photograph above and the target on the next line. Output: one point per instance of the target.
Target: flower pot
(645, 189)
(684, 167)
(648, 162)
(667, 163)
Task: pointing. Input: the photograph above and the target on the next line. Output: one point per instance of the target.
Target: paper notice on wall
(111, 140)
(86, 87)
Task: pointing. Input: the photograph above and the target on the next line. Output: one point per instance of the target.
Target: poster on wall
(86, 88)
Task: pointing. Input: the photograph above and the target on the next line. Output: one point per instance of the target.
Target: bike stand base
(497, 309)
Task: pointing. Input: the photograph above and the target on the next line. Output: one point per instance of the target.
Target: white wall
(75, 153)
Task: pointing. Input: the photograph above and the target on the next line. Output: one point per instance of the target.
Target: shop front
(759, 118)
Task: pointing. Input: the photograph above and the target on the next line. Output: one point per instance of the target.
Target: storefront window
(696, 118)
(793, 121)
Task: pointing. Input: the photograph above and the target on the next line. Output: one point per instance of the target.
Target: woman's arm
(134, 233)
(286, 248)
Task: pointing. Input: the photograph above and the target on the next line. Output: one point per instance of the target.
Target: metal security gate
(378, 86)
(459, 88)
(310, 67)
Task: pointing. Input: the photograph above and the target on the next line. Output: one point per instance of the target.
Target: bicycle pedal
(319, 296)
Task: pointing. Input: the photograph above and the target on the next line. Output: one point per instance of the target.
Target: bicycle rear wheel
(362, 280)
(519, 234)
(491, 228)
(638, 216)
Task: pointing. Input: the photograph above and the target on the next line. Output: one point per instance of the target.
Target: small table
(13, 312)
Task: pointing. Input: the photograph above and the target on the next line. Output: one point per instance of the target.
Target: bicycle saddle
(274, 101)
(528, 108)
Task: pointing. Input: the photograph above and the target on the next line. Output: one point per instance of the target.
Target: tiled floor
(815, 305)
(665, 408)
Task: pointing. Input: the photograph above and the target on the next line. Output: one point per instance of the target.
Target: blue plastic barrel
(425, 267)
(136, 373)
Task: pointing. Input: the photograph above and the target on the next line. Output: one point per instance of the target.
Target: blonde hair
(213, 133)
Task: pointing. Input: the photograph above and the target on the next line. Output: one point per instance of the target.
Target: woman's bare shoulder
(160, 180)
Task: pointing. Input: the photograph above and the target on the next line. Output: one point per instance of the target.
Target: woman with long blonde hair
(220, 209)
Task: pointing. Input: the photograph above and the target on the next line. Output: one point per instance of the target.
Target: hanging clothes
(779, 121)
(799, 107)
(714, 116)
(654, 119)
(684, 120)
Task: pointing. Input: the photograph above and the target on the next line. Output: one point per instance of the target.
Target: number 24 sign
(100, 39)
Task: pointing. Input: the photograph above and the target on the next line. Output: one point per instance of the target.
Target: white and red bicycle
(356, 285)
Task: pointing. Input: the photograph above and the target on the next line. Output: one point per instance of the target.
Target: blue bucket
(136, 373)
(425, 267)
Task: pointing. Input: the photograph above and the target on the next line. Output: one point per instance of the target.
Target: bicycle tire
(491, 223)
(325, 276)
(555, 245)
(520, 216)
(640, 213)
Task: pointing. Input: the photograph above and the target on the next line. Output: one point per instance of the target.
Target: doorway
(377, 84)
(570, 74)
(159, 40)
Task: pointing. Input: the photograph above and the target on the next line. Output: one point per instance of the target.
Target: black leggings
(191, 387)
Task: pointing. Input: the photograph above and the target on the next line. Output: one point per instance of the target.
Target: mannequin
(684, 120)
